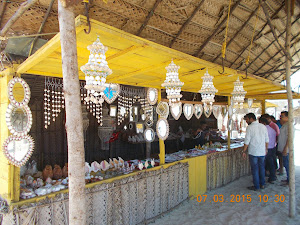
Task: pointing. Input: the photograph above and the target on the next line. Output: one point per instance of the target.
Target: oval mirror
(198, 110)
(176, 110)
(18, 92)
(188, 111)
(162, 109)
(18, 149)
(152, 95)
(207, 110)
(162, 129)
(250, 102)
(18, 120)
(149, 135)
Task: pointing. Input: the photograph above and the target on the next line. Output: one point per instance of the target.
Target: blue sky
(295, 81)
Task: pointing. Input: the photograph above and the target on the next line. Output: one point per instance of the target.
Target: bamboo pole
(292, 200)
(162, 150)
(74, 127)
(228, 131)
(24, 6)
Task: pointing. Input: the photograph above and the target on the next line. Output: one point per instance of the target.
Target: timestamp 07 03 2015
(241, 198)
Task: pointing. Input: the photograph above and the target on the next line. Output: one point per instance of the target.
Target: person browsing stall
(256, 142)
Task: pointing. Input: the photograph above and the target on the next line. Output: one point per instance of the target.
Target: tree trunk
(74, 125)
(292, 200)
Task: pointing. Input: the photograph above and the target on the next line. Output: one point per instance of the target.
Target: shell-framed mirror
(216, 111)
(152, 95)
(18, 120)
(176, 110)
(18, 92)
(149, 134)
(162, 129)
(188, 111)
(18, 149)
(111, 92)
(207, 110)
(198, 110)
(162, 109)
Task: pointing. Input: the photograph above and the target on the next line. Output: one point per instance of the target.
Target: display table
(225, 167)
(139, 196)
(127, 199)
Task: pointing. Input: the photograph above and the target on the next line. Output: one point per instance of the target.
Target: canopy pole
(292, 200)
(161, 142)
(228, 130)
(263, 106)
(74, 126)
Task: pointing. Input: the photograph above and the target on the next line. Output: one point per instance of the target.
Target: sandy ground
(272, 211)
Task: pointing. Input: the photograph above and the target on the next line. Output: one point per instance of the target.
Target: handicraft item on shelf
(18, 147)
(198, 110)
(176, 110)
(162, 109)
(162, 129)
(188, 111)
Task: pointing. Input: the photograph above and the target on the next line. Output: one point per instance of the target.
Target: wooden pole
(263, 106)
(228, 132)
(74, 127)
(162, 150)
(24, 6)
(292, 200)
(148, 149)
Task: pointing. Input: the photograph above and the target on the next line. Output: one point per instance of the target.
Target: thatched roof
(191, 26)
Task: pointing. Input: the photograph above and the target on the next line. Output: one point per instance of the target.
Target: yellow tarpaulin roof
(139, 62)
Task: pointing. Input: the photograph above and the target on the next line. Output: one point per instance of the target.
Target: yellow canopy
(139, 62)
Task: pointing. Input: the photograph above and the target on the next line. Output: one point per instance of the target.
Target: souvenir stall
(128, 107)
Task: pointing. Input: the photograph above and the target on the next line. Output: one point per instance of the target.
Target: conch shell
(87, 167)
(141, 166)
(111, 163)
(146, 164)
(104, 165)
(121, 161)
(57, 172)
(95, 166)
(152, 163)
(47, 172)
(65, 170)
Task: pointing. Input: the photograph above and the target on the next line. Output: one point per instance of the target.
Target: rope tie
(226, 31)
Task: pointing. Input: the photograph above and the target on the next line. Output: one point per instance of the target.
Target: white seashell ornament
(152, 163)
(141, 166)
(146, 164)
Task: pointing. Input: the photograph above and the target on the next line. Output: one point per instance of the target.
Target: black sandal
(252, 188)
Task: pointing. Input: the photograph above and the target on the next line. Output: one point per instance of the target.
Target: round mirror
(162, 129)
(152, 95)
(18, 120)
(18, 149)
(18, 92)
(149, 135)
(188, 110)
(198, 110)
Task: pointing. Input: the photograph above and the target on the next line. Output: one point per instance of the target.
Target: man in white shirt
(256, 141)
